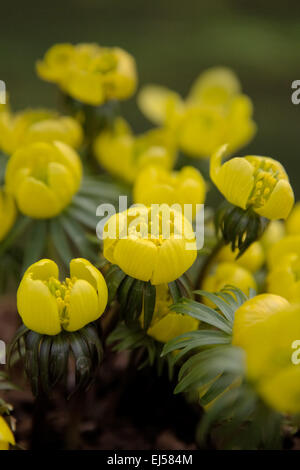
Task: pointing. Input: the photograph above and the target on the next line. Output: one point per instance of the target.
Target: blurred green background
(172, 41)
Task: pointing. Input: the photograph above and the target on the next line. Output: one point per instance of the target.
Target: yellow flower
(293, 222)
(48, 306)
(270, 349)
(165, 324)
(160, 105)
(252, 259)
(228, 274)
(8, 213)
(215, 86)
(155, 185)
(30, 126)
(214, 112)
(6, 436)
(150, 246)
(124, 155)
(257, 182)
(252, 312)
(281, 250)
(284, 278)
(274, 232)
(43, 178)
(90, 73)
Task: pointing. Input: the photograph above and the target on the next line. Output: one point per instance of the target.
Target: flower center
(61, 291)
(266, 176)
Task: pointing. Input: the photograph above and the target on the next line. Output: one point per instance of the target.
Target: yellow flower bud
(38, 125)
(151, 148)
(269, 358)
(214, 112)
(228, 274)
(293, 222)
(43, 178)
(155, 185)
(281, 250)
(8, 213)
(160, 105)
(165, 324)
(257, 182)
(150, 246)
(252, 312)
(252, 259)
(90, 73)
(215, 86)
(48, 306)
(274, 232)
(284, 278)
(6, 436)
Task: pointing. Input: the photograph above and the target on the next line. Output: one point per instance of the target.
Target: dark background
(172, 41)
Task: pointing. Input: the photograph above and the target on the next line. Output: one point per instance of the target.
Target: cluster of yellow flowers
(44, 172)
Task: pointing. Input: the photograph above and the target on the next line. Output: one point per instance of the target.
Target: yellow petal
(157, 102)
(43, 270)
(234, 178)
(172, 325)
(173, 260)
(252, 312)
(35, 199)
(6, 436)
(136, 257)
(83, 307)
(287, 245)
(83, 269)
(280, 203)
(8, 213)
(37, 307)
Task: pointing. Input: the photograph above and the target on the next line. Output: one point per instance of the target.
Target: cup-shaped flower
(252, 312)
(43, 177)
(48, 306)
(253, 181)
(272, 356)
(252, 259)
(282, 250)
(227, 274)
(293, 222)
(155, 244)
(155, 147)
(214, 112)
(38, 125)
(6, 436)
(90, 73)
(274, 232)
(283, 279)
(166, 325)
(8, 213)
(155, 185)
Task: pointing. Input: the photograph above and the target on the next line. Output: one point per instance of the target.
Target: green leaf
(60, 240)
(203, 313)
(32, 342)
(175, 291)
(135, 303)
(18, 335)
(78, 236)
(226, 309)
(35, 243)
(58, 359)
(18, 229)
(123, 293)
(114, 278)
(218, 387)
(149, 303)
(44, 363)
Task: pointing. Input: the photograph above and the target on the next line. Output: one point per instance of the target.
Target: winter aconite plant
(221, 318)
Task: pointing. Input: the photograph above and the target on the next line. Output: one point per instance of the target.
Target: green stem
(205, 268)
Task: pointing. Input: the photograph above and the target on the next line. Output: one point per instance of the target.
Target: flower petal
(280, 203)
(83, 307)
